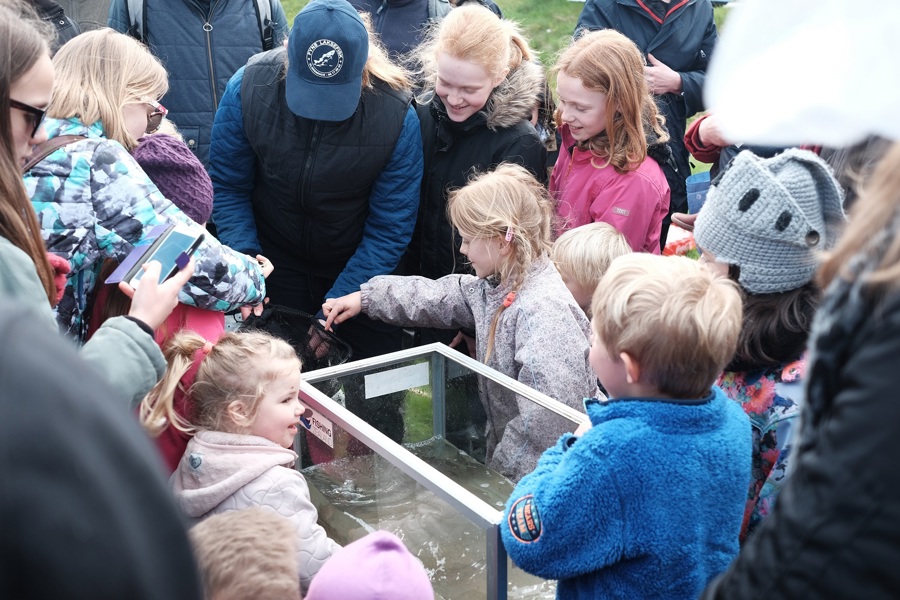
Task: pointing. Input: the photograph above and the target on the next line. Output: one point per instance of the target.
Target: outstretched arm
(393, 207)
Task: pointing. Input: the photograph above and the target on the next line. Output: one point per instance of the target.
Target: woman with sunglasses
(92, 198)
(72, 452)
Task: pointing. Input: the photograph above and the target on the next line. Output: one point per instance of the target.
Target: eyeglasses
(35, 115)
(154, 119)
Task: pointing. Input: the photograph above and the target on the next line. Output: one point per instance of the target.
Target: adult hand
(660, 78)
(152, 302)
(338, 310)
(710, 134)
(317, 342)
(470, 343)
(265, 264)
(684, 220)
(253, 309)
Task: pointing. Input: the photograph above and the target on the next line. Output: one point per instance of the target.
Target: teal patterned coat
(93, 201)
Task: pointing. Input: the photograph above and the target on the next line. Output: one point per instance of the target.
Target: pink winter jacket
(634, 203)
(225, 471)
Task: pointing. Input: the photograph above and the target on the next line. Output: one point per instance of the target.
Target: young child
(612, 138)
(249, 553)
(375, 567)
(647, 503)
(774, 265)
(245, 406)
(582, 255)
(527, 325)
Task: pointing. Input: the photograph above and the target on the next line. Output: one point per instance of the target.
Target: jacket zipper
(207, 27)
(305, 180)
(380, 15)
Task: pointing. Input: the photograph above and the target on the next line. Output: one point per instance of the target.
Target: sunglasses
(35, 115)
(154, 119)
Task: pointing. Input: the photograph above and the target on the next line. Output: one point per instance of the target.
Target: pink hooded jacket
(226, 471)
(634, 203)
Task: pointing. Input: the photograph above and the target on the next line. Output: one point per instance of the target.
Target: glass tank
(397, 443)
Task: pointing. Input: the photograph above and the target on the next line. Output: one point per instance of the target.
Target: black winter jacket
(834, 532)
(501, 132)
(53, 13)
(684, 41)
(84, 509)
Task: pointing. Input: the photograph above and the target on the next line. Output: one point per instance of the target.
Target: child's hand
(152, 302)
(338, 310)
(583, 428)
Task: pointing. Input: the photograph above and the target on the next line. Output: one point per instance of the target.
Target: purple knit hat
(376, 567)
(177, 173)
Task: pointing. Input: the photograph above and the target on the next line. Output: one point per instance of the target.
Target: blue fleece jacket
(646, 504)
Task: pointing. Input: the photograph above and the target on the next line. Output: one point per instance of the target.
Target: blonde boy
(583, 254)
(661, 475)
(249, 553)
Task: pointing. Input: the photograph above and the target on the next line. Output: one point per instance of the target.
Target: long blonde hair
(240, 366)
(606, 61)
(474, 34)
(98, 73)
(506, 203)
(877, 208)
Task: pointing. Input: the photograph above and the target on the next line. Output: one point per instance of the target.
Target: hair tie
(509, 235)
(187, 380)
(510, 298)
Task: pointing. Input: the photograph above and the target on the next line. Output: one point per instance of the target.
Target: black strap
(42, 151)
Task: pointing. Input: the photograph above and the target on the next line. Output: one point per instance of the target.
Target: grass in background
(548, 24)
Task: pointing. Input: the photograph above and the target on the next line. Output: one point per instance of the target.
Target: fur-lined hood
(515, 97)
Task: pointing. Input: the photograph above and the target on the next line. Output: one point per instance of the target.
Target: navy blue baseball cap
(327, 53)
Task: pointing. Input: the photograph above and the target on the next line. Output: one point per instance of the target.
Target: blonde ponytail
(157, 410)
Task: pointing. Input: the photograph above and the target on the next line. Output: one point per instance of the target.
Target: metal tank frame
(440, 357)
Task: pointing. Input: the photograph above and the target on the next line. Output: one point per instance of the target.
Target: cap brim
(322, 102)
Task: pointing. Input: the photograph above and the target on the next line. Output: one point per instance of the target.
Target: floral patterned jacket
(771, 398)
(94, 201)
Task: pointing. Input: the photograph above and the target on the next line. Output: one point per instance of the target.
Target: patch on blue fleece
(524, 520)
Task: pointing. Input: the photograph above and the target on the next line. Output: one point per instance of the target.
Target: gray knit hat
(770, 217)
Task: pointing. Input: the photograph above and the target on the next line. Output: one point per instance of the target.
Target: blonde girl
(245, 409)
(93, 200)
(480, 84)
(612, 137)
(123, 349)
(526, 323)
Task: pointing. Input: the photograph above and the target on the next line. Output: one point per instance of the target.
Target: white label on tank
(319, 426)
(397, 380)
